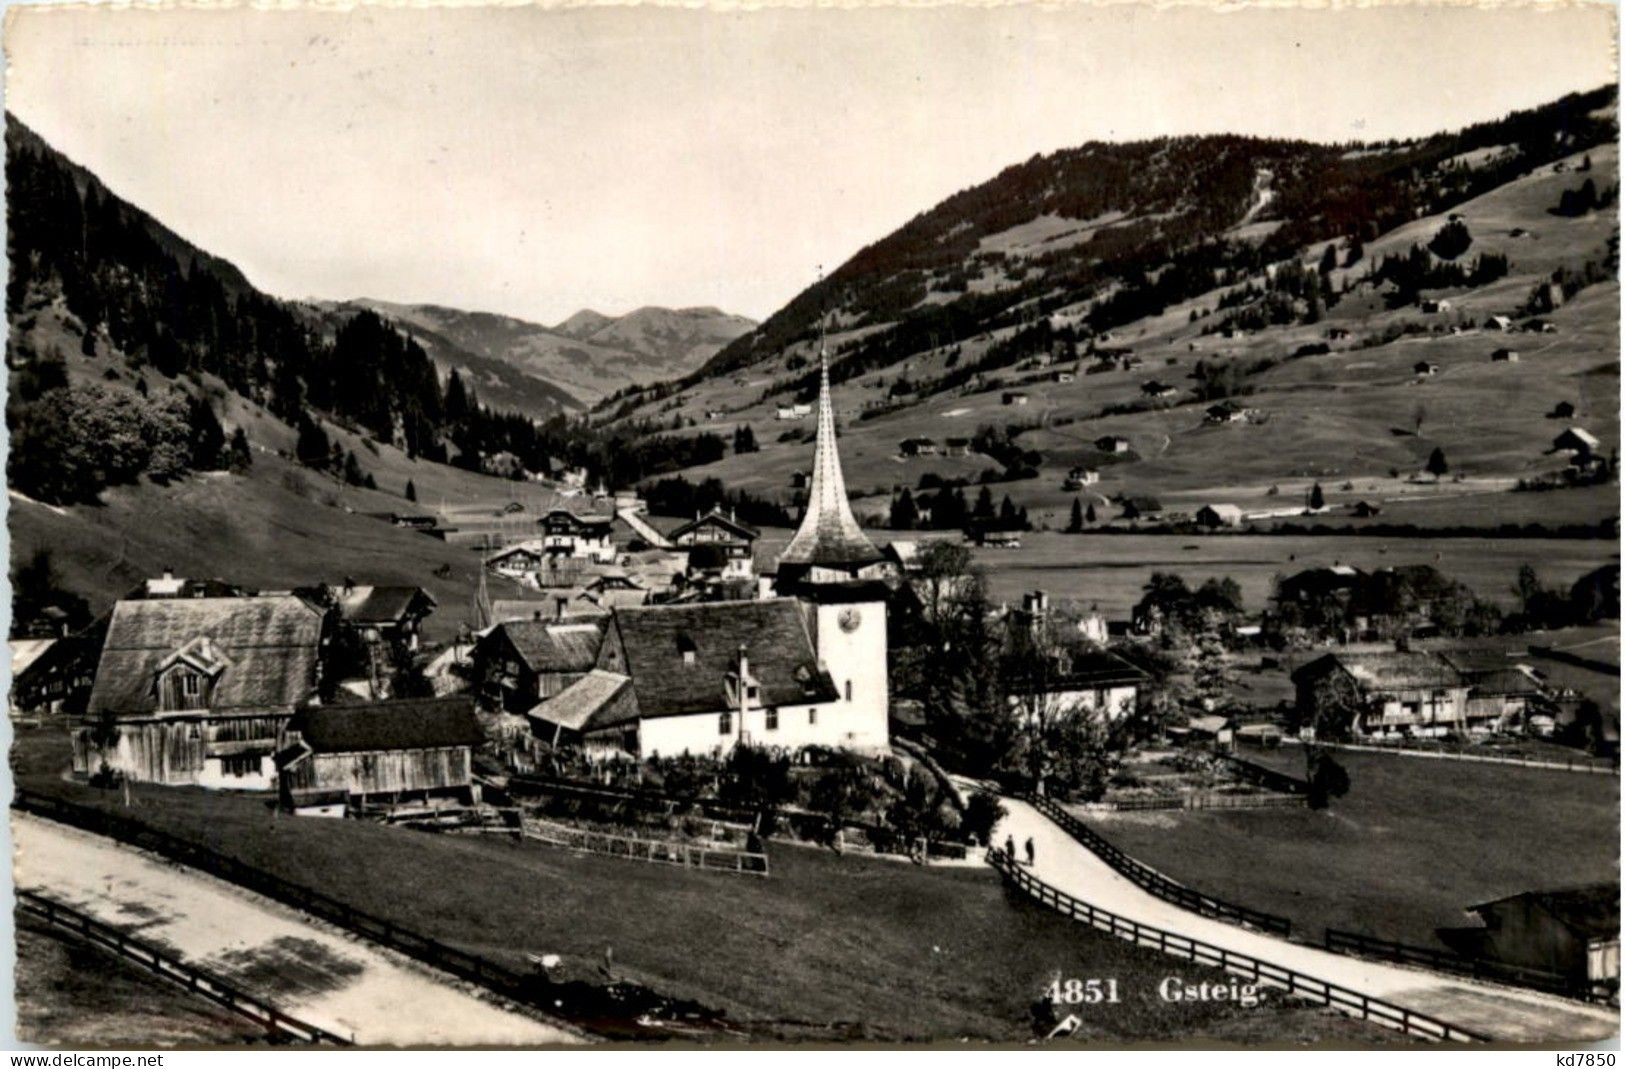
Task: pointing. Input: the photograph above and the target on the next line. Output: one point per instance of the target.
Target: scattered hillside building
(1365, 509)
(1500, 323)
(1078, 478)
(52, 676)
(1112, 443)
(1426, 368)
(1219, 516)
(1015, 397)
(1504, 356)
(1063, 376)
(1561, 410)
(199, 688)
(335, 757)
(1158, 391)
(520, 562)
(1577, 442)
(1225, 412)
(1434, 307)
(918, 447)
(956, 447)
(996, 537)
(1140, 507)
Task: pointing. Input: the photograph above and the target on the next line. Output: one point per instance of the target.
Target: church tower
(833, 567)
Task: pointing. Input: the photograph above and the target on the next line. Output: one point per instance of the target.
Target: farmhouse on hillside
(334, 756)
(1504, 356)
(1112, 443)
(1219, 516)
(199, 688)
(1577, 442)
(1426, 368)
(1225, 412)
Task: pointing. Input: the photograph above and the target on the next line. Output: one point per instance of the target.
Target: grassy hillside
(277, 527)
(1348, 416)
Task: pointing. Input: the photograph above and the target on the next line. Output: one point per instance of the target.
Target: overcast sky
(535, 162)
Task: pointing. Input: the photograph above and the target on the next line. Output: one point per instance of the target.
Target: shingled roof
(1389, 670)
(267, 649)
(598, 699)
(1590, 912)
(568, 645)
(412, 724)
(651, 642)
(382, 604)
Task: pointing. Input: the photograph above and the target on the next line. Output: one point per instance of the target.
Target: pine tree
(984, 505)
(1007, 513)
(207, 437)
(904, 513)
(1075, 524)
(1438, 467)
(1089, 513)
(411, 491)
(352, 470)
(312, 449)
(1317, 498)
(239, 457)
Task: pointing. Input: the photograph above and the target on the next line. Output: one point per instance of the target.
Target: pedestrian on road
(1029, 851)
(1010, 847)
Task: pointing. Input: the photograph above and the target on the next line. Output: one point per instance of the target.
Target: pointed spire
(829, 534)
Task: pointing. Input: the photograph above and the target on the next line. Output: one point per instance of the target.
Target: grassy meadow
(1412, 844)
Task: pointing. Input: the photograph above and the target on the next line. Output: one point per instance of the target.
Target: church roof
(679, 657)
(829, 534)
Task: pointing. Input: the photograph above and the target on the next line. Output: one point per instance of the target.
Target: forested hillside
(1117, 232)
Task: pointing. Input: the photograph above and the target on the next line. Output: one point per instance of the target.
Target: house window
(725, 724)
(752, 691)
(812, 716)
(190, 685)
(849, 690)
(772, 720)
(240, 765)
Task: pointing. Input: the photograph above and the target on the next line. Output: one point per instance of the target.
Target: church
(804, 667)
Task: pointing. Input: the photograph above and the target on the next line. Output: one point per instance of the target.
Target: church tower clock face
(849, 619)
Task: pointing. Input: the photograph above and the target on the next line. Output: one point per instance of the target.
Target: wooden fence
(1366, 946)
(1207, 800)
(1260, 972)
(661, 851)
(1154, 882)
(1401, 749)
(198, 981)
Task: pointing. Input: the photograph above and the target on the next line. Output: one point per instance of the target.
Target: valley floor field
(1411, 845)
(830, 946)
(1110, 570)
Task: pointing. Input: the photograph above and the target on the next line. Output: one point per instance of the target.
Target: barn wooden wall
(383, 772)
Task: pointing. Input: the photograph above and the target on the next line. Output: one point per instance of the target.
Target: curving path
(309, 970)
(1506, 1014)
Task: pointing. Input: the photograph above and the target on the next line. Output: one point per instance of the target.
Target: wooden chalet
(568, 534)
(198, 689)
(721, 530)
(383, 614)
(386, 752)
(520, 662)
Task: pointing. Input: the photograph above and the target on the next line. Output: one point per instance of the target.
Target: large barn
(196, 690)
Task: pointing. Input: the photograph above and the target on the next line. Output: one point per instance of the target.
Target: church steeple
(829, 535)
